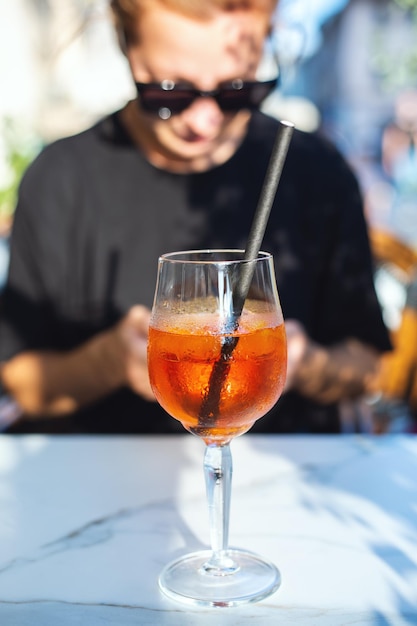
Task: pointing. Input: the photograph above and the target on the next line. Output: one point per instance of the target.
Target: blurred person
(181, 167)
(391, 196)
(391, 207)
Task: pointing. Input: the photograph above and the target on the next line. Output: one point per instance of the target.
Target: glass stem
(218, 475)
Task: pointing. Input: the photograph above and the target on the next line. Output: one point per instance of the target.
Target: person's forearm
(346, 370)
(54, 383)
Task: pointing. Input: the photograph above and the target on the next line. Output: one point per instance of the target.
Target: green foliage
(397, 71)
(407, 5)
(19, 153)
(397, 67)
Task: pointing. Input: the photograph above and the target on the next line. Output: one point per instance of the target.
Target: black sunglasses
(168, 98)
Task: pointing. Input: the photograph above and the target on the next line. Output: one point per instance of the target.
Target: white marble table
(87, 523)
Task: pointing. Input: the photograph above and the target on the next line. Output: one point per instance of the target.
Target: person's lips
(191, 137)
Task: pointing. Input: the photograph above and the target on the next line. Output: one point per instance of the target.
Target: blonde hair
(126, 12)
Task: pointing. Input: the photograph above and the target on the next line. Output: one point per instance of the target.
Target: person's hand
(297, 346)
(328, 374)
(132, 333)
(58, 383)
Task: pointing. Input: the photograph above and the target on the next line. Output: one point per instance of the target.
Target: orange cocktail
(183, 351)
(217, 362)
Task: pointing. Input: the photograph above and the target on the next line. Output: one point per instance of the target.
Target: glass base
(251, 579)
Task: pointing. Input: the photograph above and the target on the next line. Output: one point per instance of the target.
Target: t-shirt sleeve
(26, 314)
(349, 307)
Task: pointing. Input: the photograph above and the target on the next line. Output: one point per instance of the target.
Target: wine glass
(217, 363)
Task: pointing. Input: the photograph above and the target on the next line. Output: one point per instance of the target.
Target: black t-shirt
(94, 216)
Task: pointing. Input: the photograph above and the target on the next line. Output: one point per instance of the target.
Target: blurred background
(349, 67)
(349, 70)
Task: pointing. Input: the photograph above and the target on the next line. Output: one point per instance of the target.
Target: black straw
(210, 405)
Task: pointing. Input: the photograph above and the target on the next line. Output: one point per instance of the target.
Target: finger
(139, 317)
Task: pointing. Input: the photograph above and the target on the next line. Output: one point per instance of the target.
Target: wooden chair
(399, 368)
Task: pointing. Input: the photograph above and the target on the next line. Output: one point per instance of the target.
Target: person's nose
(203, 117)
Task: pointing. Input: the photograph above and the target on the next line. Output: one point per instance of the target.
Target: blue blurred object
(4, 260)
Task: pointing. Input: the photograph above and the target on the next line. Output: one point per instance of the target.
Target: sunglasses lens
(153, 98)
(249, 96)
